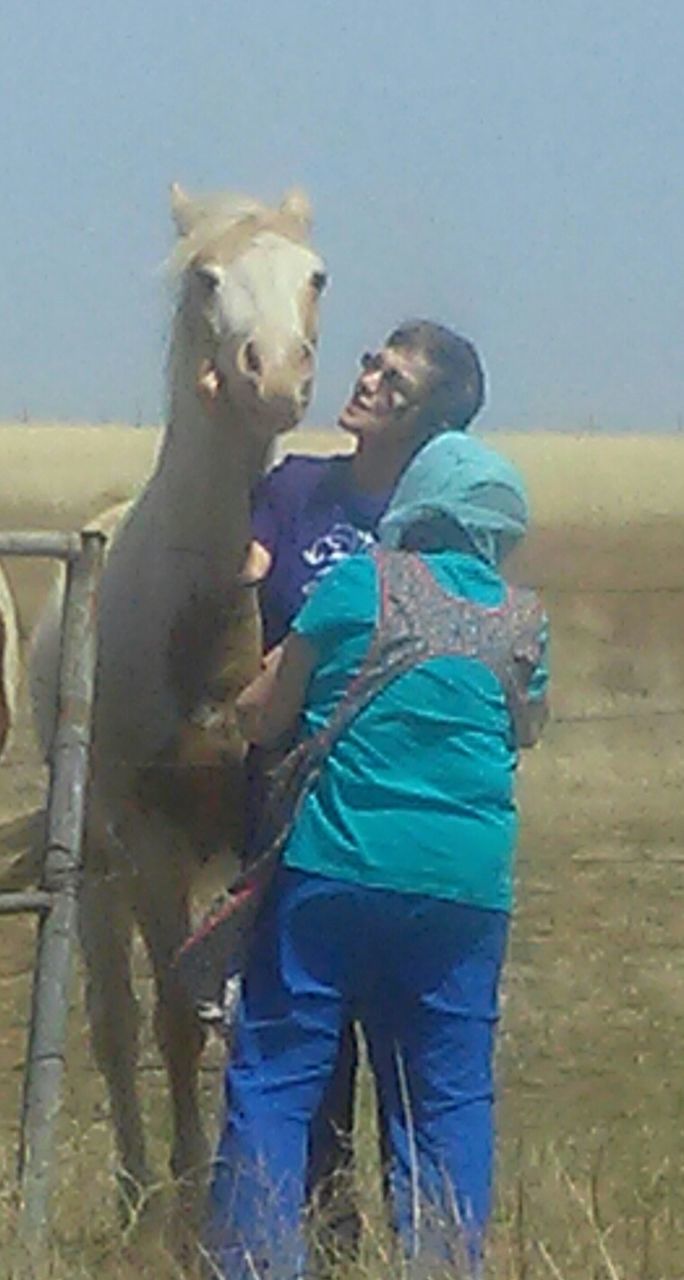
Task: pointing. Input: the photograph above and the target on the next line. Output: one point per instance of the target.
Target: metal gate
(55, 901)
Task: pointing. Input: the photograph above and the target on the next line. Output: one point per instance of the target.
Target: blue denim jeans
(421, 975)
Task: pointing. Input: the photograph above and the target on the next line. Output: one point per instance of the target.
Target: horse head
(250, 292)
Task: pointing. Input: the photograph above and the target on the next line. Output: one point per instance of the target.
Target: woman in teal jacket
(393, 899)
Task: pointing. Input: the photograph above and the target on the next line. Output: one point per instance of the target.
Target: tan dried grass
(590, 1065)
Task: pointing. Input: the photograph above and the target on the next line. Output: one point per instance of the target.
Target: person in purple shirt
(311, 512)
(308, 514)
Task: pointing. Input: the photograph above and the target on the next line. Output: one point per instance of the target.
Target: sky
(513, 168)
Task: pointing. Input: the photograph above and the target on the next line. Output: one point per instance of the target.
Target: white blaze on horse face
(267, 297)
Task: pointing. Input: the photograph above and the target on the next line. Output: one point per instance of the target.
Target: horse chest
(199, 631)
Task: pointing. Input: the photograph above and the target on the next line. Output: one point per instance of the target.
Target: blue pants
(421, 975)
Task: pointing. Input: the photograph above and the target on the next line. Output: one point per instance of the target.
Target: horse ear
(182, 209)
(296, 204)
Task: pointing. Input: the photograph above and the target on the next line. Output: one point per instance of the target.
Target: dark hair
(460, 389)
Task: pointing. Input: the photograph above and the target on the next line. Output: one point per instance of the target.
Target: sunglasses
(399, 391)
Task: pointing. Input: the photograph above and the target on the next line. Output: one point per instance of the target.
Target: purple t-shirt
(309, 515)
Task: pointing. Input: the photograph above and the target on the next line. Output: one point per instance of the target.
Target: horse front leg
(162, 910)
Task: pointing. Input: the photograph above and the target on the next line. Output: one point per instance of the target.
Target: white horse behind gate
(241, 370)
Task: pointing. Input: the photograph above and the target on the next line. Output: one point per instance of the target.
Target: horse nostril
(250, 360)
(308, 355)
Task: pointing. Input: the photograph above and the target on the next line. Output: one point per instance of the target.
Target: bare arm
(270, 706)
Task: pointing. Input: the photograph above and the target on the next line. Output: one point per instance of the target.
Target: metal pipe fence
(55, 901)
(12, 904)
(53, 546)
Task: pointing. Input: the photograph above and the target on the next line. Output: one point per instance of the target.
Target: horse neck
(206, 471)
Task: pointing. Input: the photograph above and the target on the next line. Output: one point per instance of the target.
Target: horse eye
(210, 275)
(319, 281)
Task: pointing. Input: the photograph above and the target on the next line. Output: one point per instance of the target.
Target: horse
(176, 623)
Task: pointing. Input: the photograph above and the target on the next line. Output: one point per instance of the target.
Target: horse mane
(223, 225)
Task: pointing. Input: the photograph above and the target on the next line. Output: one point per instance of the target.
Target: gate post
(57, 930)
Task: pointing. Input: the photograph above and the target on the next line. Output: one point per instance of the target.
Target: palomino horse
(171, 607)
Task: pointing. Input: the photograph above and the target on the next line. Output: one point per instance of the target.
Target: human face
(390, 393)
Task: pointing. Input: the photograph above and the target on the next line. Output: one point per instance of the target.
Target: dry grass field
(591, 1181)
